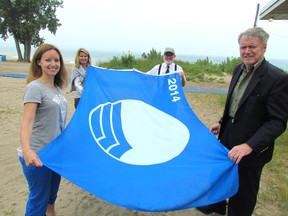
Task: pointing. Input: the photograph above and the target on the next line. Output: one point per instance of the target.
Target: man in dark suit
(255, 114)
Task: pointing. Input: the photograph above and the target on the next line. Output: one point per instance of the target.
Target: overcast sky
(206, 27)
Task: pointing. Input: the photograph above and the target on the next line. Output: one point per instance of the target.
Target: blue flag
(135, 142)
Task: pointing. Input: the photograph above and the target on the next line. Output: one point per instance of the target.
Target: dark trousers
(244, 201)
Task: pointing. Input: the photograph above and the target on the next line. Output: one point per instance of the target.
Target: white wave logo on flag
(134, 132)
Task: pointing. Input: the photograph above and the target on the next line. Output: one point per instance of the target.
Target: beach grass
(274, 187)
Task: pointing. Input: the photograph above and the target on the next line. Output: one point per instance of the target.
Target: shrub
(228, 65)
(154, 55)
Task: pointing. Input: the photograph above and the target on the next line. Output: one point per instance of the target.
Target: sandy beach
(72, 200)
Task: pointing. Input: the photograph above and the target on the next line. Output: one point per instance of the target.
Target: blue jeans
(43, 186)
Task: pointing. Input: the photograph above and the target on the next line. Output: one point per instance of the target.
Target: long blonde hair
(61, 78)
(77, 60)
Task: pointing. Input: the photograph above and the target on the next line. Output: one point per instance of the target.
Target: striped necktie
(167, 70)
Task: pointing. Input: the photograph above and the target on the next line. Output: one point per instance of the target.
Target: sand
(72, 200)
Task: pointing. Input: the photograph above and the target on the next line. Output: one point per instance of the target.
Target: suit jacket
(262, 112)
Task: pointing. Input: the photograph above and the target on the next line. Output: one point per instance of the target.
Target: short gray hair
(255, 32)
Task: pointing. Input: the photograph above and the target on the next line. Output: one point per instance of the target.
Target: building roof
(275, 10)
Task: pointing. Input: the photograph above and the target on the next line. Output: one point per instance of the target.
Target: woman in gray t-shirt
(44, 118)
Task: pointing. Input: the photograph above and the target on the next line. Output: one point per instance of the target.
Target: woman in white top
(82, 61)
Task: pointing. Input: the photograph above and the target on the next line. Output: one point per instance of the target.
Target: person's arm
(30, 157)
(183, 78)
(276, 106)
(75, 74)
(78, 84)
(215, 128)
(154, 70)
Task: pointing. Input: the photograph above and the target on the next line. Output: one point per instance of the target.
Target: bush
(128, 61)
(154, 55)
(228, 65)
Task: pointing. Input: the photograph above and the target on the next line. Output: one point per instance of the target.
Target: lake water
(103, 56)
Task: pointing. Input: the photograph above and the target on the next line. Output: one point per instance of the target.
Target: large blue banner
(134, 141)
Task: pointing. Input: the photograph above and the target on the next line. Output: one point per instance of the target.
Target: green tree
(24, 19)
